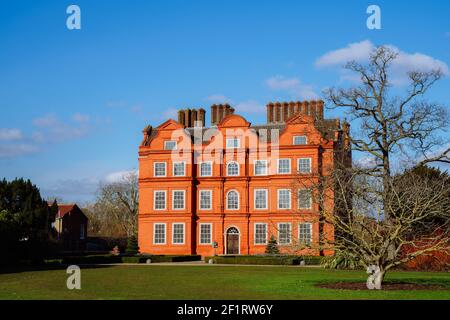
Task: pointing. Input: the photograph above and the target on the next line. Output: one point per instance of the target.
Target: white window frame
(310, 165)
(200, 234)
(165, 145)
(184, 169)
(173, 199)
(266, 166)
(173, 233)
(154, 169)
(154, 200)
(299, 144)
(200, 199)
(254, 233)
(200, 169)
(82, 232)
(310, 232)
(290, 233)
(310, 199)
(266, 191)
(238, 169)
(165, 233)
(233, 139)
(238, 200)
(278, 199)
(290, 166)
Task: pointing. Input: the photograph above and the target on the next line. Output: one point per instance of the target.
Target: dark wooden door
(232, 244)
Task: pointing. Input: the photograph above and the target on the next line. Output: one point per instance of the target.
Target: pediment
(300, 119)
(234, 120)
(170, 125)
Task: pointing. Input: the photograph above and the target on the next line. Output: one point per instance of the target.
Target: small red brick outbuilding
(71, 227)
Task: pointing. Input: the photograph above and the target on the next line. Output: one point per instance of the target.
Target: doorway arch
(233, 241)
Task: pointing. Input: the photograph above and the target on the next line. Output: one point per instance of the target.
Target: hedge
(92, 259)
(109, 258)
(265, 260)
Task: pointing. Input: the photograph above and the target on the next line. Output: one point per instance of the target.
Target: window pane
(160, 233)
(261, 199)
(178, 233)
(205, 169)
(232, 169)
(160, 169)
(160, 200)
(304, 165)
(304, 233)
(178, 169)
(205, 233)
(260, 167)
(284, 199)
(284, 166)
(205, 199)
(178, 199)
(284, 233)
(232, 143)
(170, 145)
(260, 233)
(299, 140)
(304, 199)
(232, 200)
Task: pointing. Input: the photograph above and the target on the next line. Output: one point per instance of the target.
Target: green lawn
(207, 282)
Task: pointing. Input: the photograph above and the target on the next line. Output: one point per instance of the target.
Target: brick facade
(213, 198)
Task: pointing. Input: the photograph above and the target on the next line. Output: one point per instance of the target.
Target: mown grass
(208, 282)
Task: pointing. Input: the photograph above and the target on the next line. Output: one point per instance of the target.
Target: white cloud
(52, 129)
(170, 113)
(360, 52)
(365, 162)
(138, 108)
(293, 86)
(250, 106)
(14, 150)
(119, 176)
(81, 118)
(218, 98)
(72, 190)
(45, 121)
(10, 134)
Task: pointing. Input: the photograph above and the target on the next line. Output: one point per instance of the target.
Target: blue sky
(73, 102)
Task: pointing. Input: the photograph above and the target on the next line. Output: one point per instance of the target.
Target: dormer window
(299, 140)
(233, 143)
(170, 145)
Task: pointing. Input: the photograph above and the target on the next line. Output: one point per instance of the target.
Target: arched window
(232, 230)
(232, 168)
(232, 200)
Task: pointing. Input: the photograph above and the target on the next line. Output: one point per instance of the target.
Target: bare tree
(376, 213)
(119, 203)
(388, 230)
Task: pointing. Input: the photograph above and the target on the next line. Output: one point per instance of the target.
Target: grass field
(208, 282)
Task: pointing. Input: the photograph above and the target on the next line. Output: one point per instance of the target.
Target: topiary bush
(132, 245)
(272, 246)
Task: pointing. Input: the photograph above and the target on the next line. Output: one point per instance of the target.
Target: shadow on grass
(20, 269)
(396, 284)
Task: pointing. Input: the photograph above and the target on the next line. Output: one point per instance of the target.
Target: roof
(326, 126)
(63, 209)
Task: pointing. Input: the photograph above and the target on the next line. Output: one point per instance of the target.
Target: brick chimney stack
(191, 117)
(280, 112)
(220, 111)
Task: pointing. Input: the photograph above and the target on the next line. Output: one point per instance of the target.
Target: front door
(232, 241)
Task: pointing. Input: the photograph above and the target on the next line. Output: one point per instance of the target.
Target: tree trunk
(379, 277)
